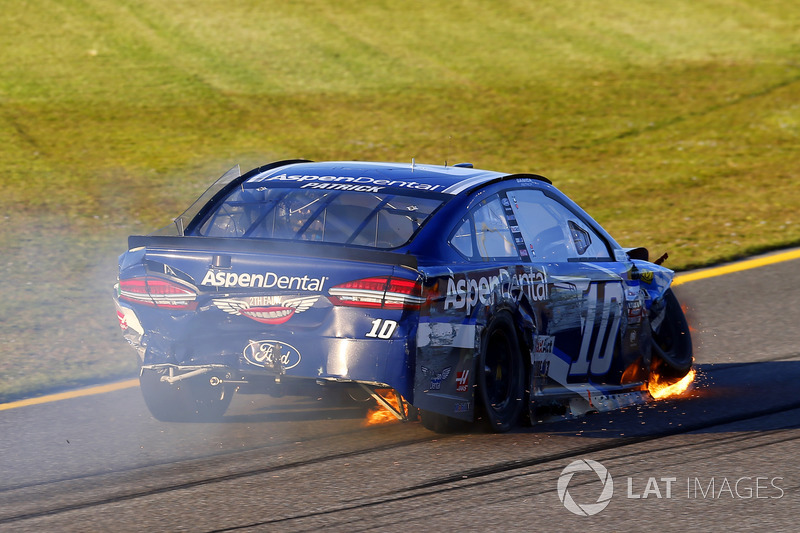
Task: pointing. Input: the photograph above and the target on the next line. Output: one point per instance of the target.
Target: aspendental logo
(585, 465)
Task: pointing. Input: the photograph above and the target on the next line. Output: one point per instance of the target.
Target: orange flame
(379, 414)
(660, 389)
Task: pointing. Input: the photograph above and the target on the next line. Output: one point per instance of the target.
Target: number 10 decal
(599, 347)
(382, 329)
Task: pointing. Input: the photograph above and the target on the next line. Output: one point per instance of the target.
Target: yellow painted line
(100, 389)
(737, 267)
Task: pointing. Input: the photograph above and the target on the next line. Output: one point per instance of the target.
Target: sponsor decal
(341, 187)
(436, 377)
(462, 380)
(462, 407)
(633, 339)
(646, 276)
(357, 180)
(635, 312)
(544, 344)
(127, 320)
(123, 320)
(272, 354)
(266, 309)
(541, 368)
(267, 280)
(466, 293)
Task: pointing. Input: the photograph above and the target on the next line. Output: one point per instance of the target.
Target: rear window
(375, 220)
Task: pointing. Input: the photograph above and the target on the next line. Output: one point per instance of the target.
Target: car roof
(408, 176)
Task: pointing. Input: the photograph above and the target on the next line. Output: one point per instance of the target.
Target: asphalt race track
(722, 457)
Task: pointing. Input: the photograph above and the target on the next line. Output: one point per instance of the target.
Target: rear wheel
(672, 341)
(192, 400)
(501, 374)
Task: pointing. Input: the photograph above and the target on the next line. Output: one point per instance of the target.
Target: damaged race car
(474, 294)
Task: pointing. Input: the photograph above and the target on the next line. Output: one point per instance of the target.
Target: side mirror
(640, 253)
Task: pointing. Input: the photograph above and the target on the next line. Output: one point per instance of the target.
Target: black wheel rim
(671, 341)
(497, 371)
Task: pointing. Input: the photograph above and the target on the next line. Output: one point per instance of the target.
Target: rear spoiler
(294, 248)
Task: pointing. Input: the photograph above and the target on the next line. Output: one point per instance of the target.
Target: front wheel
(191, 400)
(671, 338)
(501, 374)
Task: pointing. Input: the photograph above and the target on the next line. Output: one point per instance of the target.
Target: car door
(578, 334)
(462, 296)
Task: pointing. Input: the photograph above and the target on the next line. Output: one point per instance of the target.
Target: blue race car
(473, 294)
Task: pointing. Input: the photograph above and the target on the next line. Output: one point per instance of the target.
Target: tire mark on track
(492, 496)
(200, 482)
(188, 460)
(440, 485)
(711, 443)
(624, 442)
(445, 484)
(505, 497)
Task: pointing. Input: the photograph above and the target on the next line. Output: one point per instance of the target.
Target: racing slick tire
(501, 375)
(671, 340)
(192, 400)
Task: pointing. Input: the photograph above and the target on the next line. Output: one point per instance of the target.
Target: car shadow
(725, 397)
(295, 409)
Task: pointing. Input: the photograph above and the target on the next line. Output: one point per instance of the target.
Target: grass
(677, 125)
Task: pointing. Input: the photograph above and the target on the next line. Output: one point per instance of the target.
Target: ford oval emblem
(272, 354)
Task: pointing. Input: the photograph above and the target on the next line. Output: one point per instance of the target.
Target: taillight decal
(157, 292)
(266, 309)
(384, 292)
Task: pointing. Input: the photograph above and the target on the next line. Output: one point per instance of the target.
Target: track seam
(397, 496)
(401, 494)
(198, 483)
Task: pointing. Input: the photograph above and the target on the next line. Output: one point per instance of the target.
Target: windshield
(348, 217)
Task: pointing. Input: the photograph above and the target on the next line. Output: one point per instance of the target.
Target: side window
(462, 238)
(492, 235)
(484, 233)
(552, 231)
(588, 244)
